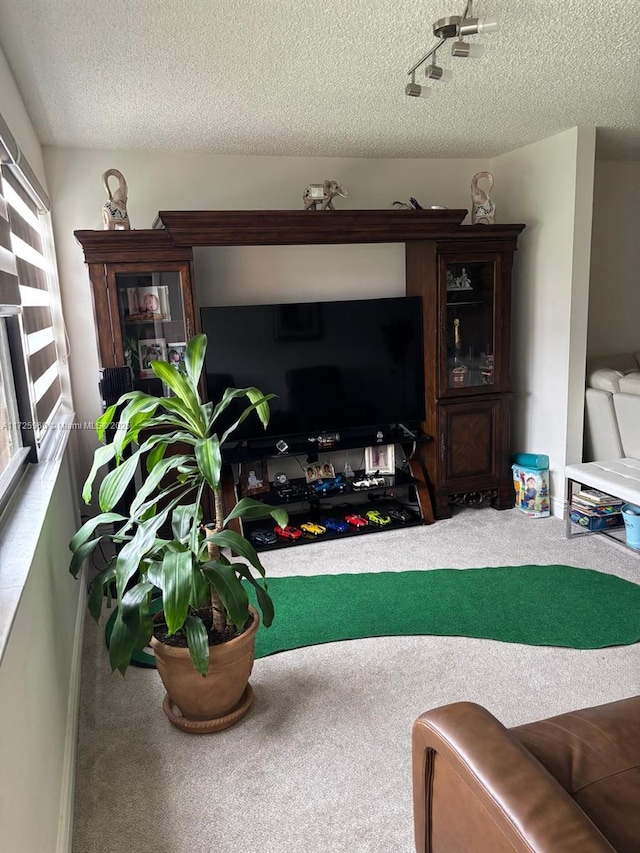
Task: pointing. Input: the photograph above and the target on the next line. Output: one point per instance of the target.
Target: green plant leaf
(130, 556)
(122, 643)
(261, 404)
(230, 589)
(134, 414)
(153, 573)
(105, 420)
(81, 553)
(198, 642)
(199, 596)
(89, 526)
(156, 455)
(182, 387)
(257, 407)
(96, 592)
(115, 483)
(152, 481)
(238, 545)
(177, 569)
(209, 460)
(194, 358)
(101, 457)
(132, 599)
(183, 518)
(145, 627)
(262, 596)
(250, 508)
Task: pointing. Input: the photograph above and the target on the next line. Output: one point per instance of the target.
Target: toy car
(289, 492)
(330, 486)
(398, 513)
(287, 532)
(312, 528)
(356, 520)
(376, 517)
(335, 524)
(367, 482)
(263, 537)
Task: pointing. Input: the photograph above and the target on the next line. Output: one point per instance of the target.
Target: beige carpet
(322, 762)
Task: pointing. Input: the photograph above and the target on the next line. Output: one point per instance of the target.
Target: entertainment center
(459, 281)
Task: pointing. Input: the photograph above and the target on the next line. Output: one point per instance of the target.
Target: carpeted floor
(322, 762)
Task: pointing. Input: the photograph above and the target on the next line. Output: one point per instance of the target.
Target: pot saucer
(174, 715)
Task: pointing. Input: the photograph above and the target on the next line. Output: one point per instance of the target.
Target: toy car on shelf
(356, 520)
(330, 486)
(287, 532)
(398, 513)
(377, 517)
(337, 525)
(289, 492)
(263, 537)
(312, 528)
(367, 482)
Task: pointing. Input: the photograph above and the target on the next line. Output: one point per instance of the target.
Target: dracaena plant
(181, 459)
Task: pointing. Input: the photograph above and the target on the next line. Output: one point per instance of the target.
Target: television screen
(334, 366)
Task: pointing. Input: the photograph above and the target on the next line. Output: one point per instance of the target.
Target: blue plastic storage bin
(631, 516)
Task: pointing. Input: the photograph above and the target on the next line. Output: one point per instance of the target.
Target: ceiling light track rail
(456, 27)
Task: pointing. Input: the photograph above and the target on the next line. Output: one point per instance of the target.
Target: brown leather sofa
(568, 784)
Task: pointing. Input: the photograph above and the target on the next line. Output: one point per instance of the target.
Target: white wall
(614, 296)
(549, 186)
(163, 181)
(39, 679)
(39, 670)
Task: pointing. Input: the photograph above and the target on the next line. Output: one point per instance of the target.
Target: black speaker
(115, 382)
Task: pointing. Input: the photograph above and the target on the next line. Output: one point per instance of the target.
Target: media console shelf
(462, 273)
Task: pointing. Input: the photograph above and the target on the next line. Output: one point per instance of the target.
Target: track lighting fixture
(456, 27)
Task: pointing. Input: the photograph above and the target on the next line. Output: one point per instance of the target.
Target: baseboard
(559, 507)
(68, 780)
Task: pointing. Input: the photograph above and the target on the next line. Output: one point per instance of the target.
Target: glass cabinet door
(469, 323)
(153, 324)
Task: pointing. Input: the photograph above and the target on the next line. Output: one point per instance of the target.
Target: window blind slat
(21, 228)
(42, 360)
(49, 402)
(31, 276)
(36, 318)
(9, 293)
(16, 186)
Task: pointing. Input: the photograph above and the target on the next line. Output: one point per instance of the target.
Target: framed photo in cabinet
(380, 459)
(151, 349)
(254, 477)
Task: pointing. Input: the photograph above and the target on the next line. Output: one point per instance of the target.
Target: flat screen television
(334, 366)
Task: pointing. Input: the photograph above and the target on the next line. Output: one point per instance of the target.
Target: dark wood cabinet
(462, 273)
(466, 292)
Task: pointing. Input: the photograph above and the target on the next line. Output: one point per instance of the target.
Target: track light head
(475, 26)
(415, 90)
(435, 72)
(464, 49)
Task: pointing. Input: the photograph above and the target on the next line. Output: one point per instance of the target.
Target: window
(33, 375)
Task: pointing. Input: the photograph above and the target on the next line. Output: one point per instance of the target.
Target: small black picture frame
(254, 477)
(299, 321)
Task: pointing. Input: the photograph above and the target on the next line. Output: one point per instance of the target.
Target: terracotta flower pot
(222, 697)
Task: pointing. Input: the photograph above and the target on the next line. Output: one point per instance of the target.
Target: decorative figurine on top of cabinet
(483, 211)
(323, 195)
(114, 212)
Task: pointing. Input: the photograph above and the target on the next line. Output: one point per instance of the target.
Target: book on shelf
(593, 497)
(599, 511)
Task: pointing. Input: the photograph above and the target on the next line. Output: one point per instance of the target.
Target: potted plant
(203, 637)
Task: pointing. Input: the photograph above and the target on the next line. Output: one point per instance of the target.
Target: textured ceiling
(321, 77)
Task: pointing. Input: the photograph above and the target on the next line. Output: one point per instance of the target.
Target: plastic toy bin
(531, 484)
(631, 516)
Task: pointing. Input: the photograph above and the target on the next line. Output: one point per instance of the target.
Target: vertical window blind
(28, 227)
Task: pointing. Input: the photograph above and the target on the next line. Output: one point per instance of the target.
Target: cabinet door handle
(443, 447)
